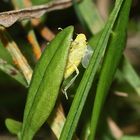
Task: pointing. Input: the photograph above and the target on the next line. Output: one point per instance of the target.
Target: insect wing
(87, 56)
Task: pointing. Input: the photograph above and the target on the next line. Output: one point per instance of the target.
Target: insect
(78, 51)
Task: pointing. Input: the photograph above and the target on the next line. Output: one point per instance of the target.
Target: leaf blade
(43, 92)
(93, 21)
(111, 61)
(86, 82)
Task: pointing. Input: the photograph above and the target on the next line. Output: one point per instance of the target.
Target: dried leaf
(10, 17)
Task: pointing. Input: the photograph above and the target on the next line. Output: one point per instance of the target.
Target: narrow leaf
(86, 82)
(13, 126)
(111, 61)
(89, 15)
(130, 75)
(45, 83)
(130, 138)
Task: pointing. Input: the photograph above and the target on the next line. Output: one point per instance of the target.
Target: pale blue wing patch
(87, 56)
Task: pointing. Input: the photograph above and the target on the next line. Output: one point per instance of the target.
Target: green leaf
(4, 54)
(125, 71)
(130, 138)
(45, 83)
(129, 74)
(88, 15)
(13, 126)
(86, 82)
(94, 40)
(37, 2)
(111, 61)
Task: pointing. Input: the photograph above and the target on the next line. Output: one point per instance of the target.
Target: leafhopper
(78, 52)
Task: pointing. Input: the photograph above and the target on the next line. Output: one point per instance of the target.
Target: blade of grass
(45, 84)
(89, 15)
(125, 71)
(86, 82)
(111, 61)
(130, 75)
(130, 138)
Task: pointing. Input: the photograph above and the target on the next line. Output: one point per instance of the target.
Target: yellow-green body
(77, 52)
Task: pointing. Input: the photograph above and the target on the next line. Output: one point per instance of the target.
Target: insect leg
(71, 81)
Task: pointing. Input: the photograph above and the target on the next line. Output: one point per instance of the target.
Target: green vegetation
(103, 102)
